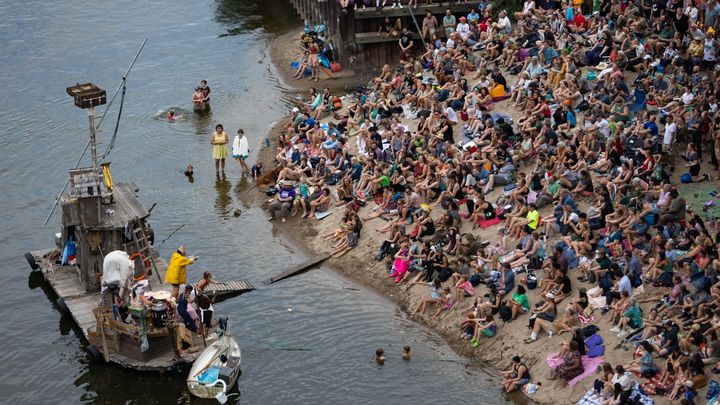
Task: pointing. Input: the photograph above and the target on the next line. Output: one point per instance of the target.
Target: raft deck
(65, 282)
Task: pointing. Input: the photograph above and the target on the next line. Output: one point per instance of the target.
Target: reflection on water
(202, 121)
(241, 16)
(319, 353)
(223, 199)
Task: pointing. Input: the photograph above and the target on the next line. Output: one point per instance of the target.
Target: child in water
(256, 170)
(189, 171)
(406, 353)
(380, 356)
(171, 115)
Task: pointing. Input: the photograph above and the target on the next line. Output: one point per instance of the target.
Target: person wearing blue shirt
(651, 127)
(331, 143)
(567, 199)
(508, 278)
(332, 129)
(623, 286)
(473, 16)
(633, 264)
(283, 201)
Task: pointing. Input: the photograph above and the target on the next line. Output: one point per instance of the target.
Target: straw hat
(602, 66)
(159, 295)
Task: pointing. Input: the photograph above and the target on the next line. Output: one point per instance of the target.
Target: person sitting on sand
(444, 303)
(435, 291)
(303, 65)
(571, 365)
(516, 377)
(487, 328)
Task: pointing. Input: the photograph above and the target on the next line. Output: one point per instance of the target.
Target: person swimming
(380, 356)
(406, 353)
(189, 171)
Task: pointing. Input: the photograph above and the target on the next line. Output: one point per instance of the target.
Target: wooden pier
(354, 35)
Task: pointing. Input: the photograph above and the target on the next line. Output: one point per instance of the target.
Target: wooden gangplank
(228, 289)
(300, 268)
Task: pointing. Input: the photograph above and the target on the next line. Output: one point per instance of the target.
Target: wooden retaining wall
(354, 35)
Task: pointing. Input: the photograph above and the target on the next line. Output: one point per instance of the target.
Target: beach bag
(535, 263)
(686, 178)
(505, 313)
(590, 330)
(531, 280)
(271, 191)
(595, 345)
(332, 179)
(464, 116)
(497, 91)
(335, 67)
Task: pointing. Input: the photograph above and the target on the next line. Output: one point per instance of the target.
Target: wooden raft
(65, 281)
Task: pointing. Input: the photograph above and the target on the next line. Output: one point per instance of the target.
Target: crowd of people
(569, 133)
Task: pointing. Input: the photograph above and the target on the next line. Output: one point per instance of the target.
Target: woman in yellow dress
(219, 140)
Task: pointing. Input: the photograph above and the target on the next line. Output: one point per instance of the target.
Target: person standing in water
(219, 140)
(205, 90)
(197, 100)
(241, 150)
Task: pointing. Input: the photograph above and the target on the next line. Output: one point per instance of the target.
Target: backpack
(535, 263)
(595, 345)
(686, 178)
(337, 103)
(475, 280)
(505, 313)
(590, 330)
(665, 280)
(531, 280)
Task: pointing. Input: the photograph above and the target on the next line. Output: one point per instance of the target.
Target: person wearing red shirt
(579, 23)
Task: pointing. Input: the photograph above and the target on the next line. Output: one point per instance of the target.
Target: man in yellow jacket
(176, 272)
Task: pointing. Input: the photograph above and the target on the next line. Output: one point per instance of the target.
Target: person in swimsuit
(219, 140)
(314, 58)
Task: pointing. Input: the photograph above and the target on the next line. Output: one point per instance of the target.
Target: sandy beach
(359, 266)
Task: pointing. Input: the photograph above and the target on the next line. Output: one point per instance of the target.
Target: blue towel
(209, 376)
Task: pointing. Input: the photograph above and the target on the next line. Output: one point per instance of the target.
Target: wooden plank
(302, 267)
(420, 11)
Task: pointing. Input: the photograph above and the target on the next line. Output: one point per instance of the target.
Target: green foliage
(511, 6)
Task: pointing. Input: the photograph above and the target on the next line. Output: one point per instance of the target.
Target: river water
(321, 352)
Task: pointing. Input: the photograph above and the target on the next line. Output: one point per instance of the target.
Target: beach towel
(591, 397)
(321, 215)
(652, 385)
(589, 364)
(487, 223)
(584, 320)
(240, 148)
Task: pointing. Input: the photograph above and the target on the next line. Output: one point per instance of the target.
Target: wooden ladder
(142, 246)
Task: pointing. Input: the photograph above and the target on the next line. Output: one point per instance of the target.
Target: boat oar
(215, 357)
